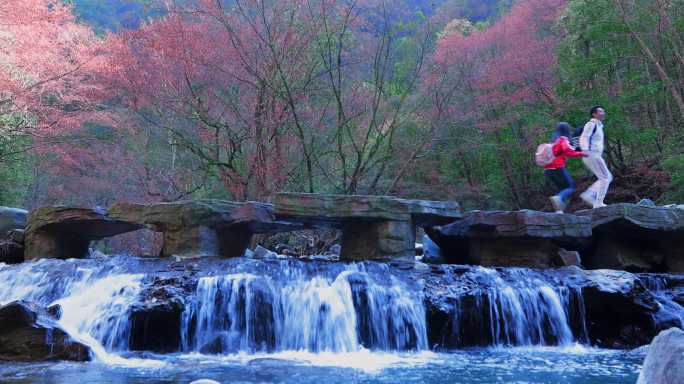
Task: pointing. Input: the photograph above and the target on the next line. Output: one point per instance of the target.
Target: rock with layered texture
(203, 227)
(28, 335)
(664, 363)
(66, 232)
(636, 238)
(511, 239)
(373, 227)
(338, 210)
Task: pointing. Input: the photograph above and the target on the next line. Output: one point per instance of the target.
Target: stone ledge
(336, 210)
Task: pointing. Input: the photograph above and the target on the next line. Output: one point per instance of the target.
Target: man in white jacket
(591, 142)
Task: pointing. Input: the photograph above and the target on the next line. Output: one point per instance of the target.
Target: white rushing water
(94, 305)
(295, 313)
(345, 313)
(523, 312)
(304, 312)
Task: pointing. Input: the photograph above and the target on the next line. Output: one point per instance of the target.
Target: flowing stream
(286, 316)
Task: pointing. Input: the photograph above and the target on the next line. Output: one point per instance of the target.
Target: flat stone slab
(525, 223)
(511, 239)
(621, 217)
(64, 232)
(218, 214)
(338, 210)
(637, 238)
(88, 223)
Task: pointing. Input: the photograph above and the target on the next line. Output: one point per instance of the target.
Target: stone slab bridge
(373, 227)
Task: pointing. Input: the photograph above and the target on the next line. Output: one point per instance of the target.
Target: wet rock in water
(263, 253)
(568, 258)
(432, 254)
(510, 239)
(664, 363)
(156, 320)
(334, 250)
(636, 238)
(55, 311)
(28, 335)
(620, 311)
(646, 203)
(16, 235)
(11, 252)
(11, 218)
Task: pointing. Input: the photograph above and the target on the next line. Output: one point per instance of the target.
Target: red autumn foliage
(48, 62)
(209, 79)
(509, 64)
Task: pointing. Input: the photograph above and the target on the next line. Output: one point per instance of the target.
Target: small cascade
(342, 313)
(94, 300)
(517, 309)
(671, 312)
(100, 310)
(230, 313)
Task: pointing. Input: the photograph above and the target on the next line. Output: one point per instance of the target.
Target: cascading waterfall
(94, 302)
(658, 286)
(521, 310)
(100, 310)
(282, 306)
(244, 312)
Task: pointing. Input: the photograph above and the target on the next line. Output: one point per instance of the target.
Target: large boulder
(664, 362)
(11, 218)
(65, 232)
(636, 237)
(511, 239)
(156, 319)
(620, 311)
(28, 335)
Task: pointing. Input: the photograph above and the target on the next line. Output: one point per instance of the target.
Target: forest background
(137, 100)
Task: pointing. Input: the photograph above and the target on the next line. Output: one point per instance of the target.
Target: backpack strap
(591, 137)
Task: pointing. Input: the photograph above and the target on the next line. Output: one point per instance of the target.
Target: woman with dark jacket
(555, 171)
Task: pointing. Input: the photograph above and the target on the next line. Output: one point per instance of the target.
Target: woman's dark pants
(562, 180)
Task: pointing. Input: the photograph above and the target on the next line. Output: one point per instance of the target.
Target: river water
(531, 366)
(250, 321)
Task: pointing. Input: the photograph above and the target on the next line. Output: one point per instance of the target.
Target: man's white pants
(598, 167)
